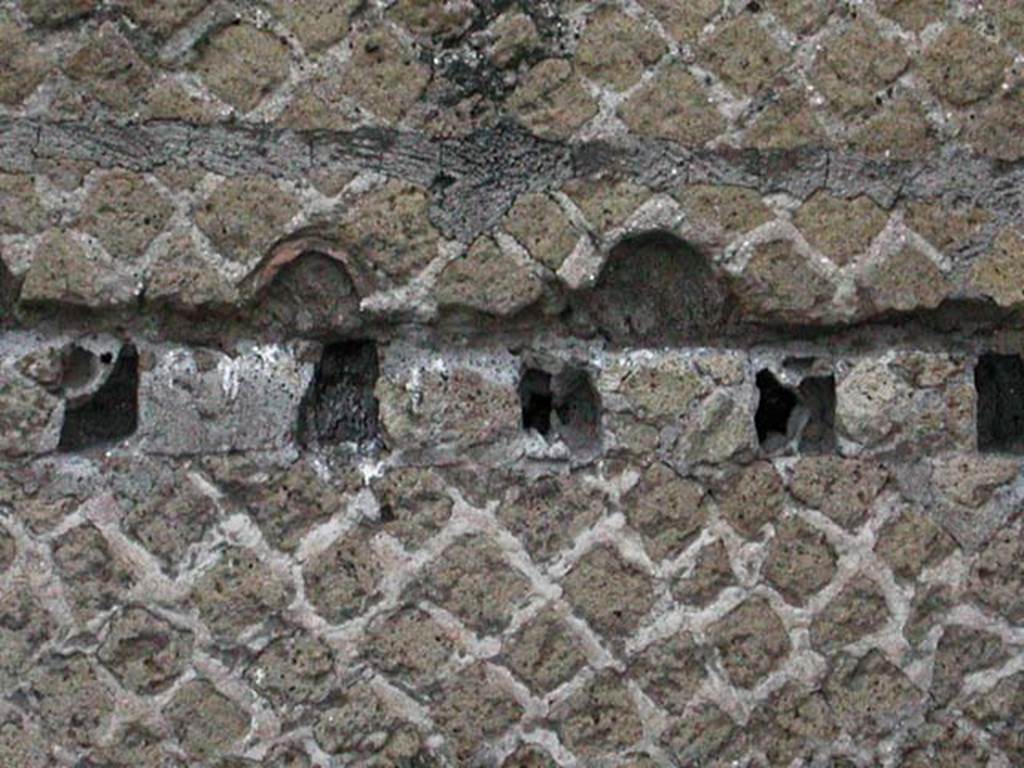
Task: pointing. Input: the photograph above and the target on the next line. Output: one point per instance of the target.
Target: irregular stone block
(202, 401)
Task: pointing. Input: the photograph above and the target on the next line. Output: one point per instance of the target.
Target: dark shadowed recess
(654, 287)
(999, 381)
(564, 405)
(805, 415)
(111, 413)
(340, 405)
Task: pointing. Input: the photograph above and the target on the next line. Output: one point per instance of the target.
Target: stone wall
(549, 383)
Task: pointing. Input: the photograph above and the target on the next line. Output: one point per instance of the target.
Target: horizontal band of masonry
(693, 406)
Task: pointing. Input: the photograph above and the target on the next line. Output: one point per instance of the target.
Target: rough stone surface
(409, 647)
(343, 580)
(545, 652)
(360, 725)
(856, 64)
(667, 510)
(670, 671)
(858, 610)
(840, 229)
(962, 66)
(548, 514)
(384, 383)
(475, 583)
(600, 718)
(751, 497)
(843, 490)
(238, 591)
(911, 542)
(223, 721)
(710, 575)
(616, 49)
(551, 101)
(611, 594)
(750, 642)
(125, 212)
(244, 216)
(242, 64)
(672, 105)
(293, 670)
(869, 693)
(487, 280)
(145, 652)
(743, 54)
(97, 578)
(472, 710)
(71, 697)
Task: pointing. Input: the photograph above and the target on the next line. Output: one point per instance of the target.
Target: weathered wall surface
(511, 383)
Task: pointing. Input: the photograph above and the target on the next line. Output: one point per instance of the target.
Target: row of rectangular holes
(340, 405)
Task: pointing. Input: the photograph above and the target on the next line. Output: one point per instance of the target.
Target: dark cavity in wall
(804, 416)
(999, 381)
(109, 414)
(340, 405)
(654, 286)
(818, 397)
(563, 405)
(536, 400)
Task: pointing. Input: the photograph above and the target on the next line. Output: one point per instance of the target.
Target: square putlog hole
(999, 381)
(340, 405)
(563, 405)
(109, 414)
(803, 417)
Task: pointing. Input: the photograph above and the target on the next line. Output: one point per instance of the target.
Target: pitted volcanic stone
(547, 514)
(962, 66)
(911, 542)
(317, 24)
(611, 594)
(743, 54)
(792, 723)
(963, 651)
(551, 101)
(237, 591)
(669, 511)
(471, 710)
(545, 652)
(414, 503)
(616, 49)
(600, 718)
(144, 651)
(750, 498)
(868, 694)
(25, 626)
(800, 560)
(858, 610)
(711, 574)
(344, 580)
(672, 105)
(474, 582)
(844, 490)
(997, 579)
(95, 578)
(243, 64)
(409, 647)
(205, 722)
(705, 736)
(670, 671)
(751, 641)
(684, 21)
(358, 722)
(72, 698)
